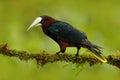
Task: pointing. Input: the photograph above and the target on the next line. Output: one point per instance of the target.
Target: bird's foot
(58, 56)
(76, 57)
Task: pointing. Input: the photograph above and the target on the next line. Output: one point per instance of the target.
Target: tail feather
(95, 49)
(89, 44)
(98, 54)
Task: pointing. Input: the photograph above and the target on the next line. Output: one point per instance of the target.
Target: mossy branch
(43, 58)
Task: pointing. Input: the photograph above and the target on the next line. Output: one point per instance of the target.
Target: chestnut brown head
(44, 21)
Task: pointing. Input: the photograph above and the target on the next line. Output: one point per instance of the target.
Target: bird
(66, 36)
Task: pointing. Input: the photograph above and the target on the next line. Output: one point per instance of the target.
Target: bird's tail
(96, 50)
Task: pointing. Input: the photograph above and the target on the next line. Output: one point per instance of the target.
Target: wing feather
(64, 31)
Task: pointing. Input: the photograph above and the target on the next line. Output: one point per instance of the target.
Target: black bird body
(67, 36)
(65, 32)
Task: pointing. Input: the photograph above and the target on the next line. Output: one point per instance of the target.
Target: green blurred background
(99, 19)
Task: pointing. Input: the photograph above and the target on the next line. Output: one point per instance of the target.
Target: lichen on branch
(43, 57)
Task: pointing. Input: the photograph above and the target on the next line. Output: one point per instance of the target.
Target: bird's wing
(64, 31)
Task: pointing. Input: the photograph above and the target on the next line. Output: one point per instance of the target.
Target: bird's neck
(47, 24)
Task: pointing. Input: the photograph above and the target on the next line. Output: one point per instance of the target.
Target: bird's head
(44, 21)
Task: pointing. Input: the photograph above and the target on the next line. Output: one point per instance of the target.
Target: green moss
(114, 60)
(43, 58)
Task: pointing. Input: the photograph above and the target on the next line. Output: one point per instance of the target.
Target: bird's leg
(62, 49)
(77, 54)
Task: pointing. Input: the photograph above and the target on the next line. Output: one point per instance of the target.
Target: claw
(58, 55)
(76, 57)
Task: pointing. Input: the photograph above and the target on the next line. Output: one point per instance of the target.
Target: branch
(43, 58)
